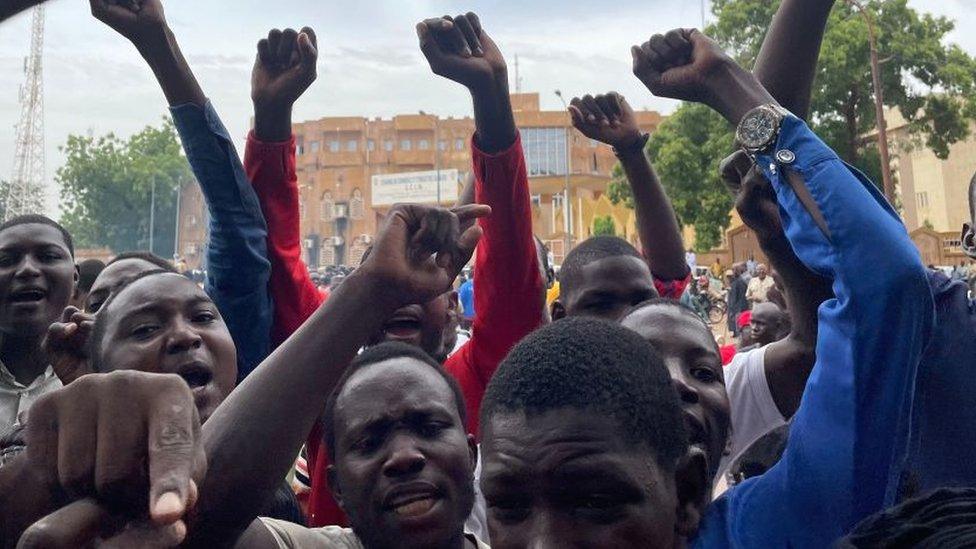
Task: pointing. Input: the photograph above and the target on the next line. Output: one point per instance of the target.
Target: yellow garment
(552, 294)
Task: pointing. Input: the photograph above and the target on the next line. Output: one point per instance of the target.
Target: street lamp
(889, 186)
(568, 238)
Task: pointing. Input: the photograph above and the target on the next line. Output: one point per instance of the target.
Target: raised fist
(137, 20)
(66, 344)
(421, 249)
(682, 64)
(460, 50)
(86, 523)
(284, 68)
(755, 199)
(130, 439)
(607, 118)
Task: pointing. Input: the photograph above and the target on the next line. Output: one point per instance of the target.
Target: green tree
(933, 84)
(604, 225)
(107, 189)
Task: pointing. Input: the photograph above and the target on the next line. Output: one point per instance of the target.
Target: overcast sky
(369, 63)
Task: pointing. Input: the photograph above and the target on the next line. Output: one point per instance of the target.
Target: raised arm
(850, 432)
(609, 119)
(237, 256)
(280, 401)
(285, 67)
(509, 292)
(787, 62)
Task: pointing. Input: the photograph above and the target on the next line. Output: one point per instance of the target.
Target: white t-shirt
(289, 535)
(754, 412)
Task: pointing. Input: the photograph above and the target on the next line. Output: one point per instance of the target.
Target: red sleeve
(271, 169)
(508, 290)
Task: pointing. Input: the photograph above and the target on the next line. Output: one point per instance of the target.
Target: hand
(86, 523)
(606, 118)
(420, 250)
(460, 50)
(755, 199)
(141, 21)
(119, 437)
(284, 68)
(66, 344)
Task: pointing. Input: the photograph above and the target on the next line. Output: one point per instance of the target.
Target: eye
(94, 306)
(366, 444)
(204, 317)
(598, 507)
(7, 260)
(144, 331)
(705, 375)
(50, 257)
(431, 429)
(509, 510)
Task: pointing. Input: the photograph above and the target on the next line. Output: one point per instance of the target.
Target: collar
(8, 379)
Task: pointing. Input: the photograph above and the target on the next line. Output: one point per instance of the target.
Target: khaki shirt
(295, 536)
(16, 398)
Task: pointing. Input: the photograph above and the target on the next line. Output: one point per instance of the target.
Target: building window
(315, 147)
(557, 202)
(405, 144)
(442, 145)
(423, 145)
(356, 206)
(301, 209)
(334, 145)
(300, 145)
(922, 199)
(459, 144)
(370, 145)
(327, 206)
(352, 145)
(388, 145)
(537, 200)
(545, 151)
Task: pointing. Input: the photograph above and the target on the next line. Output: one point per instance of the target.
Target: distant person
(88, 271)
(692, 260)
(466, 298)
(717, 269)
(759, 286)
(751, 265)
(736, 300)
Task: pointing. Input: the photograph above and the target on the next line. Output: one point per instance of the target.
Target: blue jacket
(849, 438)
(237, 249)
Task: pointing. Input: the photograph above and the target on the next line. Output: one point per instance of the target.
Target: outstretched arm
(237, 257)
(787, 62)
(280, 401)
(508, 292)
(609, 119)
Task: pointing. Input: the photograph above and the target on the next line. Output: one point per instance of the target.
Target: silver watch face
(757, 129)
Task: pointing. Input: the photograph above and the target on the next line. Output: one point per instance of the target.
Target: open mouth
(412, 501)
(404, 324)
(195, 374)
(27, 295)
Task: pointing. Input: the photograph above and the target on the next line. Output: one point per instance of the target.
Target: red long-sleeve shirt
(508, 296)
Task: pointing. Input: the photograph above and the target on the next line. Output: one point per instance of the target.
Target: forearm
(166, 60)
(787, 61)
(278, 405)
(494, 122)
(657, 225)
(272, 124)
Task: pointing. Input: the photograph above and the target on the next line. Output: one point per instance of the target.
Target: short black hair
(945, 518)
(98, 330)
(588, 251)
(381, 353)
(41, 220)
(88, 271)
(667, 302)
(146, 256)
(596, 366)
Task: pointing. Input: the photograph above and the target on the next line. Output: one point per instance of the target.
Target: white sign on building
(416, 187)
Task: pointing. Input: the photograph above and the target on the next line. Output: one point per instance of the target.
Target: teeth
(415, 508)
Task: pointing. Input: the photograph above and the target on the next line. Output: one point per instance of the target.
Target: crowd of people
(138, 409)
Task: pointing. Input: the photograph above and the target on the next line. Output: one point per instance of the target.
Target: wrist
(385, 295)
(272, 123)
(630, 146)
(734, 91)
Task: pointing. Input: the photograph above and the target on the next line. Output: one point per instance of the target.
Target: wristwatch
(759, 129)
(633, 148)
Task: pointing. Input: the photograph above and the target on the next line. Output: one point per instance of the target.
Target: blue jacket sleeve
(849, 436)
(237, 254)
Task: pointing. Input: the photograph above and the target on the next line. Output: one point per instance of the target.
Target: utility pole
(888, 182)
(26, 190)
(567, 228)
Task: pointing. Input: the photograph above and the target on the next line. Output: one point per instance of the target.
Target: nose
(547, 532)
(183, 338)
(686, 389)
(404, 457)
(28, 268)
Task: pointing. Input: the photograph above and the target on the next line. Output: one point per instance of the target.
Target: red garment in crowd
(728, 353)
(508, 296)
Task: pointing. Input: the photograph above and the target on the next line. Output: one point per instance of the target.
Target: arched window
(328, 206)
(356, 206)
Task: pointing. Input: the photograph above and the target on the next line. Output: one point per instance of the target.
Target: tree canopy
(933, 83)
(107, 187)
(604, 226)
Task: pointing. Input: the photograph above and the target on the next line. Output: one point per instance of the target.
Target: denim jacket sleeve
(850, 433)
(237, 255)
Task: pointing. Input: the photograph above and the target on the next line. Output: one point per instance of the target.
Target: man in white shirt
(760, 285)
(37, 279)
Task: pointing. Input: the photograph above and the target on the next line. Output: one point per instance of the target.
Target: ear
(452, 301)
(968, 240)
(557, 311)
(334, 487)
(693, 490)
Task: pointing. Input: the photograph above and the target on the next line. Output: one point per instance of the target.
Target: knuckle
(173, 438)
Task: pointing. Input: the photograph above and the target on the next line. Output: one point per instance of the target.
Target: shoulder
(295, 536)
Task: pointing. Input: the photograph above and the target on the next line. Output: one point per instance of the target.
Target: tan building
(348, 166)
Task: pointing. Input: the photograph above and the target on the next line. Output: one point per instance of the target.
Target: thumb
(466, 245)
(307, 52)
